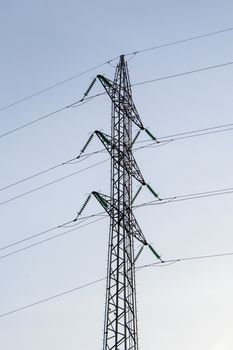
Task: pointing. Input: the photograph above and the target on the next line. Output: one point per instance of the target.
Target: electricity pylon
(120, 324)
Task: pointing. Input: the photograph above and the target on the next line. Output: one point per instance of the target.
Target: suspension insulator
(88, 90)
(85, 146)
(84, 205)
(151, 135)
(155, 253)
(152, 191)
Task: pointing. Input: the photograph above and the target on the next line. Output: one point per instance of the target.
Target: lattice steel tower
(120, 325)
(120, 329)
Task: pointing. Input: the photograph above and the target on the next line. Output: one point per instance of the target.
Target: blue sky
(185, 305)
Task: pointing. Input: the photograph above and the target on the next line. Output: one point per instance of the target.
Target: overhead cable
(168, 139)
(185, 197)
(173, 43)
(77, 227)
(45, 116)
(79, 103)
(72, 290)
(162, 201)
(36, 235)
(221, 65)
(52, 182)
(75, 76)
(39, 92)
(72, 161)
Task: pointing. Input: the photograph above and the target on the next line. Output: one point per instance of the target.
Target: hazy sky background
(183, 306)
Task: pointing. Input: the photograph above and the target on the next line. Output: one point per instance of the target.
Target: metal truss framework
(120, 326)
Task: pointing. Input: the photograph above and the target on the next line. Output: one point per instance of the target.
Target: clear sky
(183, 306)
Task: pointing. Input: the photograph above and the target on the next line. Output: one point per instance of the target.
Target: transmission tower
(120, 324)
(120, 328)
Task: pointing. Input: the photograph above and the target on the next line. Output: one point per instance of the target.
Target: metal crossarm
(125, 159)
(122, 99)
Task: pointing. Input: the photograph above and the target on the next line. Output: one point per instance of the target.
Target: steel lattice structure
(120, 327)
(120, 324)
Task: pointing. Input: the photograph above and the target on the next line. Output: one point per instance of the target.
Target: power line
(45, 116)
(172, 43)
(54, 85)
(163, 201)
(184, 73)
(173, 199)
(185, 197)
(52, 297)
(163, 141)
(50, 238)
(188, 136)
(52, 182)
(195, 131)
(75, 76)
(200, 257)
(50, 169)
(170, 138)
(135, 84)
(36, 235)
(69, 291)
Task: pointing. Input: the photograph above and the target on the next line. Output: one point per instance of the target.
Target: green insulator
(154, 252)
(152, 191)
(151, 135)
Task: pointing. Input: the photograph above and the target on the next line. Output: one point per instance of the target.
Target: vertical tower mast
(120, 328)
(120, 324)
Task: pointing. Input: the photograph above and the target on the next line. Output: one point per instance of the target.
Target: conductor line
(52, 182)
(45, 116)
(185, 197)
(52, 86)
(71, 161)
(167, 200)
(64, 225)
(77, 227)
(221, 65)
(166, 262)
(75, 76)
(52, 297)
(182, 41)
(163, 142)
(85, 100)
